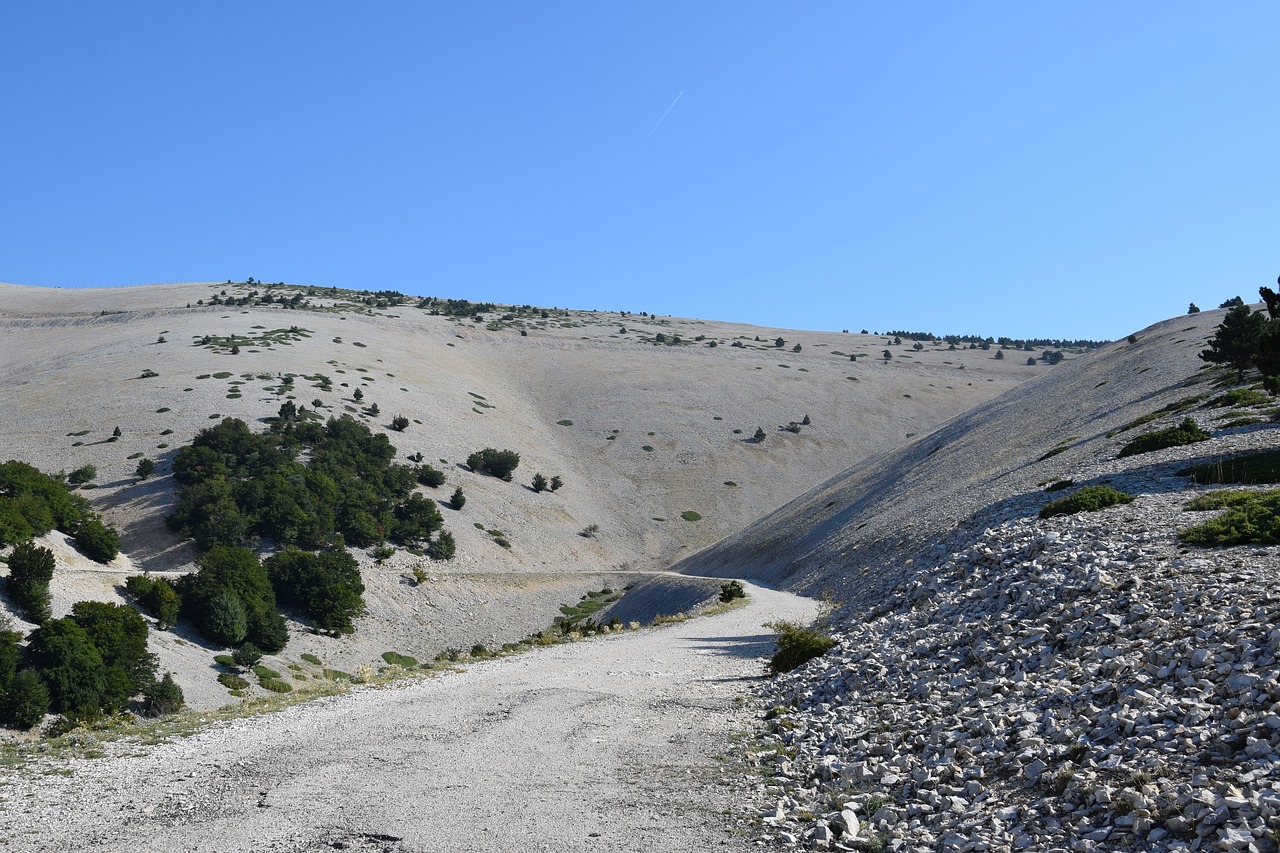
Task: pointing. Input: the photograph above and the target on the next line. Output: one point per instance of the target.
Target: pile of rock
(1077, 683)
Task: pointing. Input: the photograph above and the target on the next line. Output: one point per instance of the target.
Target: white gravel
(608, 744)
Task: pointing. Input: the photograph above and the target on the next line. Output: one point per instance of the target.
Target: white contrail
(664, 115)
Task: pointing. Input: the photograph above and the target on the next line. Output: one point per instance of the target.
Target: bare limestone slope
(861, 530)
(645, 435)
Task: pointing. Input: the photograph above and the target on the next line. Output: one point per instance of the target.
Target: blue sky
(1028, 169)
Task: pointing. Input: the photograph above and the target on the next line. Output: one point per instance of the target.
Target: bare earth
(602, 745)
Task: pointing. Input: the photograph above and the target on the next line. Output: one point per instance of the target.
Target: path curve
(604, 745)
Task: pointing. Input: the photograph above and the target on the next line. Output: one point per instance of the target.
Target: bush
(30, 571)
(731, 590)
(231, 681)
(539, 483)
(83, 474)
(145, 469)
(495, 463)
(1187, 432)
(444, 547)
(1252, 517)
(156, 596)
(247, 656)
(96, 541)
(556, 483)
(399, 423)
(27, 700)
(1261, 467)
(459, 500)
(162, 697)
(1088, 499)
(429, 476)
(797, 645)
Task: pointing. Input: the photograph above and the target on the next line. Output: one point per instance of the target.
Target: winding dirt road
(606, 745)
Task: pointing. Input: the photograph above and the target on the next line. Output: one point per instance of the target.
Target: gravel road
(606, 745)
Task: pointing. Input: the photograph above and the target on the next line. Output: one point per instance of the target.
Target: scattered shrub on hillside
(145, 469)
(539, 483)
(496, 463)
(1239, 398)
(556, 483)
(429, 476)
(1088, 499)
(731, 590)
(1221, 500)
(443, 547)
(30, 571)
(690, 515)
(162, 697)
(797, 645)
(397, 659)
(459, 500)
(399, 423)
(759, 434)
(1059, 485)
(590, 531)
(231, 681)
(1187, 432)
(1251, 517)
(247, 656)
(83, 474)
(1261, 467)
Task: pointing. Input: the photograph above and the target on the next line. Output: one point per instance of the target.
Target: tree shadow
(750, 647)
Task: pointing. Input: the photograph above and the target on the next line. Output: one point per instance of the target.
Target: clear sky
(1044, 169)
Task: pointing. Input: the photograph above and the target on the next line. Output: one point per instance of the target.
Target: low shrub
(731, 590)
(231, 681)
(397, 659)
(1059, 485)
(1187, 432)
(797, 645)
(429, 476)
(162, 697)
(1254, 468)
(275, 685)
(310, 658)
(1251, 517)
(1088, 499)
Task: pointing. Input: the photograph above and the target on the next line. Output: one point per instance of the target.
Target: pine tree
(1236, 340)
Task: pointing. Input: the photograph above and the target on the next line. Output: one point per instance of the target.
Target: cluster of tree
(236, 485)
(1246, 338)
(455, 307)
(495, 463)
(90, 663)
(33, 503)
(542, 484)
(978, 340)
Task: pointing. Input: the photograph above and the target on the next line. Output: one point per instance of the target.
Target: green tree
(1236, 340)
(145, 469)
(83, 474)
(327, 586)
(119, 633)
(759, 435)
(30, 571)
(225, 620)
(399, 423)
(459, 500)
(1193, 308)
(70, 665)
(1267, 355)
(357, 395)
(162, 697)
(27, 700)
(779, 343)
(429, 476)
(96, 540)
(496, 463)
(443, 547)
(556, 483)
(796, 348)
(539, 483)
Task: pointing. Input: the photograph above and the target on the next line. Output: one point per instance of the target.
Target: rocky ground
(618, 743)
(1083, 682)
